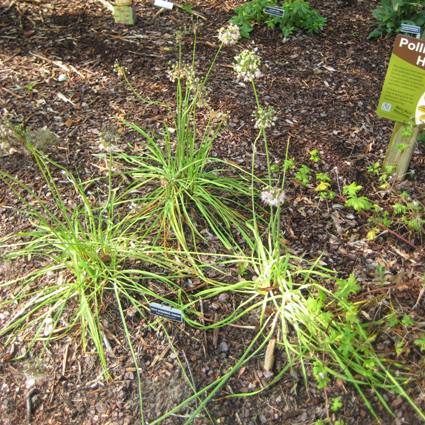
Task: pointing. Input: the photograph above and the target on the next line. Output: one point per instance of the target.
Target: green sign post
(403, 99)
(124, 12)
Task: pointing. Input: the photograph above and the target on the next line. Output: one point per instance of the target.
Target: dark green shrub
(391, 13)
(298, 14)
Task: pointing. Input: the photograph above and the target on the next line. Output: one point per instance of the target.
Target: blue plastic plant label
(411, 29)
(274, 11)
(166, 311)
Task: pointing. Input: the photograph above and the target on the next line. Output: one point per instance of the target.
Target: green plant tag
(404, 87)
(124, 15)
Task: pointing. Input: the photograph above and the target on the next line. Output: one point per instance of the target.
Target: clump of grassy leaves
(308, 311)
(302, 307)
(177, 183)
(81, 256)
(99, 251)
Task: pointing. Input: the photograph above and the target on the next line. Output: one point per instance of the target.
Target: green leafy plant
(314, 155)
(392, 319)
(408, 127)
(358, 203)
(391, 13)
(407, 321)
(337, 404)
(420, 342)
(323, 186)
(288, 164)
(374, 168)
(297, 14)
(409, 213)
(402, 147)
(384, 173)
(303, 175)
(29, 87)
(313, 326)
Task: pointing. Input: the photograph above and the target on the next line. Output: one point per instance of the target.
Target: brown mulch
(325, 88)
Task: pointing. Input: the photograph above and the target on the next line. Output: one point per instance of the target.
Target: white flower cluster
(201, 93)
(273, 197)
(107, 139)
(121, 71)
(198, 90)
(218, 117)
(264, 117)
(229, 35)
(182, 72)
(247, 65)
(8, 140)
(43, 138)
(14, 138)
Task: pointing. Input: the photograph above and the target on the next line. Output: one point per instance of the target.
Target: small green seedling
(358, 203)
(314, 155)
(288, 164)
(420, 342)
(407, 321)
(303, 175)
(29, 87)
(320, 374)
(374, 168)
(337, 404)
(402, 147)
(323, 186)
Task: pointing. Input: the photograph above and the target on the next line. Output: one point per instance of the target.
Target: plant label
(274, 11)
(403, 93)
(411, 29)
(164, 4)
(166, 311)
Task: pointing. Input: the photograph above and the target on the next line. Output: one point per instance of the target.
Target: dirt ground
(56, 70)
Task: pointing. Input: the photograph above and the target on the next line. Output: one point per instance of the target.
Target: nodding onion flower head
(121, 71)
(264, 117)
(181, 72)
(229, 35)
(247, 66)
(273, 197)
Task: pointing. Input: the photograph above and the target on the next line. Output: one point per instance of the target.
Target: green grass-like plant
(308, 311)
(84, 258)
(300, 305)
(179, 186)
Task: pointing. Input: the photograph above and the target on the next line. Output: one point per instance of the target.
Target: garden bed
(57, 71)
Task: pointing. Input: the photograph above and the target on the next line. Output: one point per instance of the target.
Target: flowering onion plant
(178, 187)
(318, 330)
